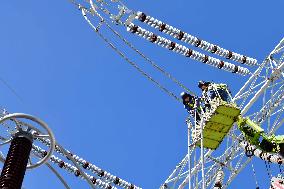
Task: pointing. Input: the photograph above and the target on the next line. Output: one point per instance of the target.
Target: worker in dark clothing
(212, 90)
(191, 103)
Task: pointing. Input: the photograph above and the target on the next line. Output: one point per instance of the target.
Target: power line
(14, 92)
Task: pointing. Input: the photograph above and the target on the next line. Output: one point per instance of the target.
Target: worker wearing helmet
(212, 90)
(190, 103)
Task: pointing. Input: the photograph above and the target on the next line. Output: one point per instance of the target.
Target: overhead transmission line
(13, 91)
(120, 53)
(178, 34)
(163, 42)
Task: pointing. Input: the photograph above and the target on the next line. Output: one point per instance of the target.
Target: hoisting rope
(13, 91)
(150, 61)
(254, 175)
(268, 169)
(126, 58)
(192, 40)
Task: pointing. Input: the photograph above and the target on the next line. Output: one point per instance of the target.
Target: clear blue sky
(100, 107)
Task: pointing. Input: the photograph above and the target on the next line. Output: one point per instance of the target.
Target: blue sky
(99, 106)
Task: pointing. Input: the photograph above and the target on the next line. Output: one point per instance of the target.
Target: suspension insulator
(165, 43)
(192, 40)
(14, 169)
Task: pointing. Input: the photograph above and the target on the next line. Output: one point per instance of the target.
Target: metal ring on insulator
(249, 153)
(94, 180)
(61, 164)
(101, 173)
(230, 55)
(77, 173)
(279, 161)
(244, 59)
(162, 27)
(221, 64)
(134, 29)
(172, 45)
(142, 17)
(214, 50)
(269, 158)
(153, 38)
(260, 155)
(188, 53)
(205, 59)
(236, 69)
(85, 166)
(36, 133)
(180, 35)
(197, 43)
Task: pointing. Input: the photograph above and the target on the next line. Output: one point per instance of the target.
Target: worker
(212, 90)
(191, 103)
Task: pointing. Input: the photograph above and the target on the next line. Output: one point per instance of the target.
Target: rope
(12, 90)
(267, 165)
(127, 59)
(58, 176)
(254, 175)
(150, 61)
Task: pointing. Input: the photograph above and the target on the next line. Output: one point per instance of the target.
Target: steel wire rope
(267, 165)
(58, 176)
(150, 61)
(61, 179)
(254, 175)
(127, 59)
(14, 92)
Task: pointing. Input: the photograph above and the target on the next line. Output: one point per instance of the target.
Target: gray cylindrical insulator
(14, 169)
